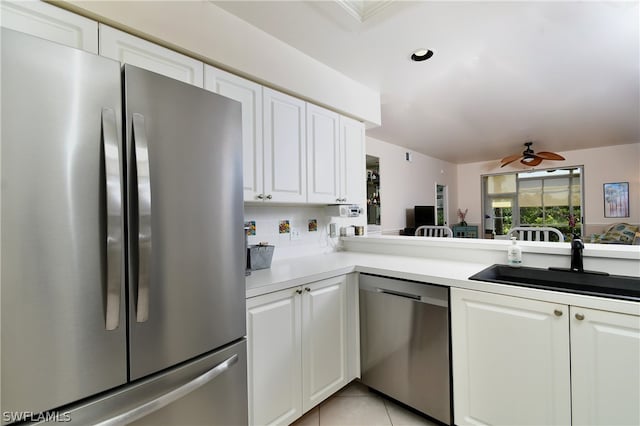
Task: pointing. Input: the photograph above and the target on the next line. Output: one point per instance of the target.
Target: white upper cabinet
(285, 164)
(132, 50)
(510, 360)
(335, 158)
(323, 151)
(605, 367)
(249, 94)
(51, 23)
(352, 162)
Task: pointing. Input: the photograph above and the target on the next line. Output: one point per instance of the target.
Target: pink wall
(620, 163)
(404, 184)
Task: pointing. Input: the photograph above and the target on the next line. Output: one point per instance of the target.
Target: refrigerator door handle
(141, 151)
(171, 396)
(114, 237)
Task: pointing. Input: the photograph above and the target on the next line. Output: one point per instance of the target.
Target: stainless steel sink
(590, 283)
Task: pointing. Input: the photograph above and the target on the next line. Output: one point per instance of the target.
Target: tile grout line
(386, 409)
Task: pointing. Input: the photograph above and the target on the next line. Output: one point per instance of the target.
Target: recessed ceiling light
(421, 55)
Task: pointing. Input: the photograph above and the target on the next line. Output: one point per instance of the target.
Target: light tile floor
(356, 405)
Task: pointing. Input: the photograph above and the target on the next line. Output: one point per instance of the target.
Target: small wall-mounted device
(408, 156)
(344, 210)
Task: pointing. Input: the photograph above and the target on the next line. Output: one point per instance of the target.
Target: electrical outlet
(294, 234)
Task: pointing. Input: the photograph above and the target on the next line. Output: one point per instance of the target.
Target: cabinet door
(324, 340)
(50, 23)
(285, 171)
(274, 358)
(249, 94)
(605, 367)
(322, 155)
(352, 162)
(132, 50)
(510, 360)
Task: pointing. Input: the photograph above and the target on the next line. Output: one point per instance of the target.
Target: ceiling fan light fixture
(530, 158)
(420, 55)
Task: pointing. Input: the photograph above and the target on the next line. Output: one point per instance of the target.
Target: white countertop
(299, 271)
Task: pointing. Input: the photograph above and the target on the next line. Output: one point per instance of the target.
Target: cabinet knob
(557, 313)
(260, 196)
(307, 289)
(579, 317)
(269, 197)
(299, 291)
(338, 200)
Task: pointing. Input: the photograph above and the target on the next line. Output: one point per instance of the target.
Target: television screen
(424, 215)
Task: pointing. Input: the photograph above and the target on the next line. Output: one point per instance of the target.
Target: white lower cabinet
(510, 360)
(605, 367)
(298, 349)
(274, 361)
(519, 361)
(324, 340)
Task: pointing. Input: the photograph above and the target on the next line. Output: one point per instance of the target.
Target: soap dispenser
(514, 254)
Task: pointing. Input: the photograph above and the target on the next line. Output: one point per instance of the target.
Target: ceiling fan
(530, 158)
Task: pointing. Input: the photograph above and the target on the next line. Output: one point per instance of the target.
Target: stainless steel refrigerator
(123, 296)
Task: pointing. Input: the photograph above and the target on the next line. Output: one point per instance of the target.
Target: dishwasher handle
(417, 292)
(399, 294)
(429, 300)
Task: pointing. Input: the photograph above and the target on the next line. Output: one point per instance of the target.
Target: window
(536, 198)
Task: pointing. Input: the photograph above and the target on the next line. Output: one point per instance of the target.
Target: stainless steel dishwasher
(404, 342)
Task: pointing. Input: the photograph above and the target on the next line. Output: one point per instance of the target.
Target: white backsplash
(268, 217)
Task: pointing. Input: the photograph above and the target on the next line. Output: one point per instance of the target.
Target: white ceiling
(563, 74)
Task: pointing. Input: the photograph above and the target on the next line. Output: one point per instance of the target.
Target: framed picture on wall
(616, 199)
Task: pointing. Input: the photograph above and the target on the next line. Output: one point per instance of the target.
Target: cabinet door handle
(299, 291)
(307, 289)
(579, 317)
(269, 197)
(558, 312)
(260, 197)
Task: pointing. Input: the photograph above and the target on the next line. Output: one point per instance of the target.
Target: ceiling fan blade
(549, 155)
(510, 159)
(533, 161)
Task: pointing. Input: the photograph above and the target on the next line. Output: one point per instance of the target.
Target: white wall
(404, 185)
(207, 32)
(619, 163)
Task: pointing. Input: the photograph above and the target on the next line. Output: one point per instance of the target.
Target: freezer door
(63, 316)
(186, 271)
(211, 390)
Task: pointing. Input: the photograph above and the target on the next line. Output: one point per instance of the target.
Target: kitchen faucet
(576, 254)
